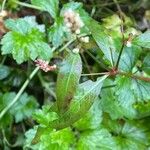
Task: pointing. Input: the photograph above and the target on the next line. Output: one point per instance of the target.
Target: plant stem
(3, 112)
(137, 77)
(95, 74)
(27, 5)
(3, 5)
(99, 62)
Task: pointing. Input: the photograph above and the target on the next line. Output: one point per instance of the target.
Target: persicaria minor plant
(103, 106)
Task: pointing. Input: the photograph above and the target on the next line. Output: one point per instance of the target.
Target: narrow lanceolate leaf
(81, 103)
(143, 40)
(68, 80)
(102, 39)
(50, 6)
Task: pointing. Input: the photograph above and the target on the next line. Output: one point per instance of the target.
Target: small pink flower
(43, 65)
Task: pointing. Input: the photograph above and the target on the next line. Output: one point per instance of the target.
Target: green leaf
(142, 109)
(146, 64)
(58, 140)
(132, 136)
(51, 6)
(25, 40)
(4, 72)
(141, 90)
(143, 40)
(68, 80)
(129, 58)
(30, 134)
(138, 91)
(24, 107)
(128, 134)
(56, 33)
(108, 101)
(45, 116)
(92, 119)
(123, 84)
(5, 99)
(103, 40)
(81, 103)
(72, 5)
(96, 140)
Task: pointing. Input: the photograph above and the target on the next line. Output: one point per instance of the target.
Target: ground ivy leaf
(92, 119)
(24, 107)
(96, 139)
(25, 40)
(146, 64)
(50, 6)
(68, 80)
(143, 40)
(84, 98)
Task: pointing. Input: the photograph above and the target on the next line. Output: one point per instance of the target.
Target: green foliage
(56, 33)
(23, 109)
(25, 40)
(146, 64)
(50, 6)
(96, 93)
(68, 80)
(143, 40)
(4, 72)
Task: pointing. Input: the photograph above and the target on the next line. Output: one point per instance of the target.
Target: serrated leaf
(45, 116)
(143, 40)
(68, 80)
(146, 64)
(56, 33)
(132, 136)
(51, 139)
(4, 72)
(138, 91)
(96, 140)
(26, 40)
(141, 90)
(128, 134)
(81, 103)
(50, 6)
(129, 58)
(108, 101)
(92, 119)
(24, 107)
(122, 88)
